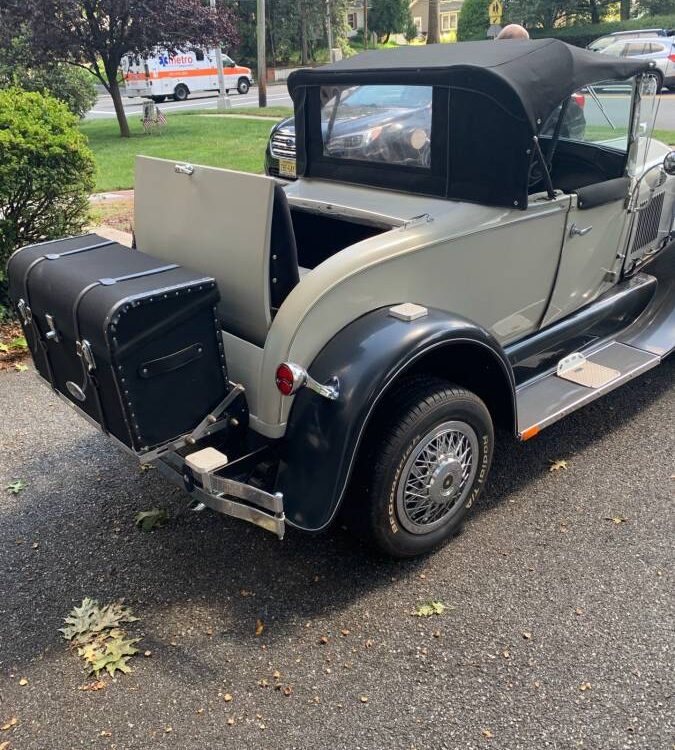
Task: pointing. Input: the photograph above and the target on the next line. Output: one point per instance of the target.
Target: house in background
(419, 10)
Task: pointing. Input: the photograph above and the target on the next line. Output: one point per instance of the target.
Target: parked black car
(373, 123)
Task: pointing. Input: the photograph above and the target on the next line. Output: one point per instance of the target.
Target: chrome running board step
(553, 396)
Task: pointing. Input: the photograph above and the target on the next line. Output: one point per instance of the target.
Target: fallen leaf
(436, 634)
(9, 724)
(168, 729)
(245, 593)
(369, 643)
(616, 519)
(288, 690)
(364, 699)
(558, 464)
(585, 686)
(96, 685)
(429, 609)
(23, 681)
(259, 627)
(506, 654)
(323, 640)
(20, 368)
(344, 631)
(227, 697)
(578, 611)
(487, 733)
(147, 653)
(263, 682)
(276, 674)
(147, 520)
(230, 722)
(4, 745)
(104, 733)
(147, 467)
(527, 635)
(15, 487)
(199, 711)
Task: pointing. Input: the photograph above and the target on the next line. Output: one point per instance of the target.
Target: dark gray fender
(323, 436)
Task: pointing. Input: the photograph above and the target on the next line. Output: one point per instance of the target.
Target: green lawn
(214, 141)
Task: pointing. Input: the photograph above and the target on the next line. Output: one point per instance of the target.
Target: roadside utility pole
(262, 61)
(365, 24)
(329, 31)
(223, 99)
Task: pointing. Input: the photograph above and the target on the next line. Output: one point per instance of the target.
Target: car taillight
(579, 99)
(289, 378)
(671, 58)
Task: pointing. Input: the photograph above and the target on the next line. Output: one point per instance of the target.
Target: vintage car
(348, 342)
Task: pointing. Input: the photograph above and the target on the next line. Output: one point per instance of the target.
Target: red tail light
(580, 99)
(671, 58)
(290, 378)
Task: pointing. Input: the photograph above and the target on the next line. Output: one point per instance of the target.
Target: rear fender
(323, 436)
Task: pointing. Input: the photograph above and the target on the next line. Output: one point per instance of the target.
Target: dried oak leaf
(117, 652)
(78, 622)
(259, 627)
(147, 520)
(429, 609)
(9, 724)
(558, 464)
(5, 745)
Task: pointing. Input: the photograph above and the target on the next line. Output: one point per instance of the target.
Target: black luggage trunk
(129, 340)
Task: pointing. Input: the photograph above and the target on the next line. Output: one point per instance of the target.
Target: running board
(547, 399)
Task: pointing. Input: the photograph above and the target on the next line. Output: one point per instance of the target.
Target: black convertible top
(490, 101)
(541, 72)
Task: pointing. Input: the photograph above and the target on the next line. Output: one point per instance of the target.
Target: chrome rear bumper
(228, 496)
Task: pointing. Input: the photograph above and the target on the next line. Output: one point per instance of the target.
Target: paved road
(539, 557)
(276, 95)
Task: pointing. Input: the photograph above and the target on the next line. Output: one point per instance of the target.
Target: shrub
(46, 173)
(75, 87)
(581, 35)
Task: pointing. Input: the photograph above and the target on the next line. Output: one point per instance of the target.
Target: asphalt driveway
(558, 634)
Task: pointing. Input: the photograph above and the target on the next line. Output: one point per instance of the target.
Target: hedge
(581, 35)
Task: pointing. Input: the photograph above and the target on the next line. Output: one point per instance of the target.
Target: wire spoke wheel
(437, 477)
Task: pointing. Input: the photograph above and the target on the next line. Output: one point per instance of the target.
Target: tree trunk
(304, 60)
(433, 30)
(116, 94)
(595, 11)
(625, 10)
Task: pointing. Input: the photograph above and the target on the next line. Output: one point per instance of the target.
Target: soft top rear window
(388, 124)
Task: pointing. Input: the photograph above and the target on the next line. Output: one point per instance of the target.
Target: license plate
(287, 168)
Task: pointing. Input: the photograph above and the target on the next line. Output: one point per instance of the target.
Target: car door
(593, 162)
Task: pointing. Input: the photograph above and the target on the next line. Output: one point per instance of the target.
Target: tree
(46, 173)
(97, 34)
(433, 26)
(73, 86)
(654, 7)
(473, 20)
(388, 17)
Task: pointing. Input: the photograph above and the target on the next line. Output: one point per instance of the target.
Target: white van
(178, 75)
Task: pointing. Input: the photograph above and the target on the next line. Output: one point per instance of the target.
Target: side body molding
(323, 437)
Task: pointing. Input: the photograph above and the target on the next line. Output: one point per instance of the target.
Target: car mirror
(669, 163)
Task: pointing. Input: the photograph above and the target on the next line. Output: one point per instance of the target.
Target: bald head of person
(513, 31)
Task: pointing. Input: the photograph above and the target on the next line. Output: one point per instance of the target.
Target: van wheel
(243, 86)
(430, 456)
(158, 99)
(181, 92)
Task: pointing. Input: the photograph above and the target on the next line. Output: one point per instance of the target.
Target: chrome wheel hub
(437, 477)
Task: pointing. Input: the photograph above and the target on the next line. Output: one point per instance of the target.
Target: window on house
(453, 20)
(445, 22)
(351, 21)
